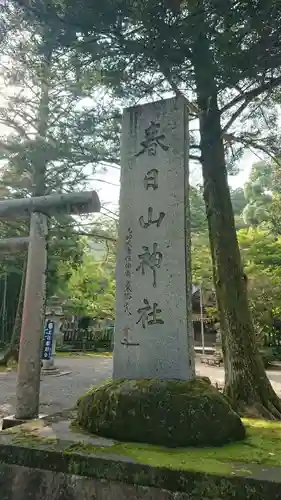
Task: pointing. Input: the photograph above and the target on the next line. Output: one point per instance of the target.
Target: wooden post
(29, 367)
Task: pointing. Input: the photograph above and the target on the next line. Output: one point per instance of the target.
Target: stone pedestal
(153, 331)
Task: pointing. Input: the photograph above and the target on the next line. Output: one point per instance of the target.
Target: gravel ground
(61, 392)
(58, 392)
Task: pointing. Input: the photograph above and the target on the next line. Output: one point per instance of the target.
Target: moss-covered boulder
(164, 412)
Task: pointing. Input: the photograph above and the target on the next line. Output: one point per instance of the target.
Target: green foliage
(91, 288)
(48, 126)
(65, 249)
(245, 32)
(10, 283)
(274, 219)
(238, 200)
(260, 249)
(197, 211)
(258, 193)
(165, 412)
(11, 269)
(49, 123)
(201, 260)
(144, 49)
(261, 253)
(262, 192)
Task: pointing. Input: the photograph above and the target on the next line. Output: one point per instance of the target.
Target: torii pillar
(39, 209)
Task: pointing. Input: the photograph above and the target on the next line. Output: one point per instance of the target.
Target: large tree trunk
(246, 382)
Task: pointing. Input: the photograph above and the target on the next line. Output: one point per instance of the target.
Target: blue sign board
(48, 339)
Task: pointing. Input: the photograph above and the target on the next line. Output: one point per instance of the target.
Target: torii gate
(38, 209)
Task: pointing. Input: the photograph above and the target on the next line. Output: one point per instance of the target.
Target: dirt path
(60, 392)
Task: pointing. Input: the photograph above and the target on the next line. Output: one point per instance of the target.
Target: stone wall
(22, 483)
(28, 472)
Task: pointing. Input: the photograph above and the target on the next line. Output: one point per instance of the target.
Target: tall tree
(51, 141)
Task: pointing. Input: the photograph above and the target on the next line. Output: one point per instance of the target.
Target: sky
(109, 189)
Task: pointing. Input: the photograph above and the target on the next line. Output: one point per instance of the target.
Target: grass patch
(262, 446)
(81, 354)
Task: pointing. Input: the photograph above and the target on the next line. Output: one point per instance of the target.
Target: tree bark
(246, 382)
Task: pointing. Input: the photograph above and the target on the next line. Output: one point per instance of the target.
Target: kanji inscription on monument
(153, 139)
(149, 220)
(152, 260)
(151, 179)
(153, 330)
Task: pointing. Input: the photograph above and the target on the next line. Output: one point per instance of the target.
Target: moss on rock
(165, 412)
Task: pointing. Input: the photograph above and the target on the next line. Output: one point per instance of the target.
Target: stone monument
(153, 331)
(154, 396)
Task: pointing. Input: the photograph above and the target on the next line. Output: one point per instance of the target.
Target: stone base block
(53, 370)
(163, 412)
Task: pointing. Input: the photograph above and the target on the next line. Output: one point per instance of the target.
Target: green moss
(261, 446)
(35, 442)
(93, 388)
(31, 440)
(177, 470)
(78, 354)
(166, 412)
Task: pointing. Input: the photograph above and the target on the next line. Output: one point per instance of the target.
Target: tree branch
(248, 96)
(193, 108)
(250, 143)
(235, 116)
(96, 235)
(9, 148)
(10, 123)
(110, 211)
